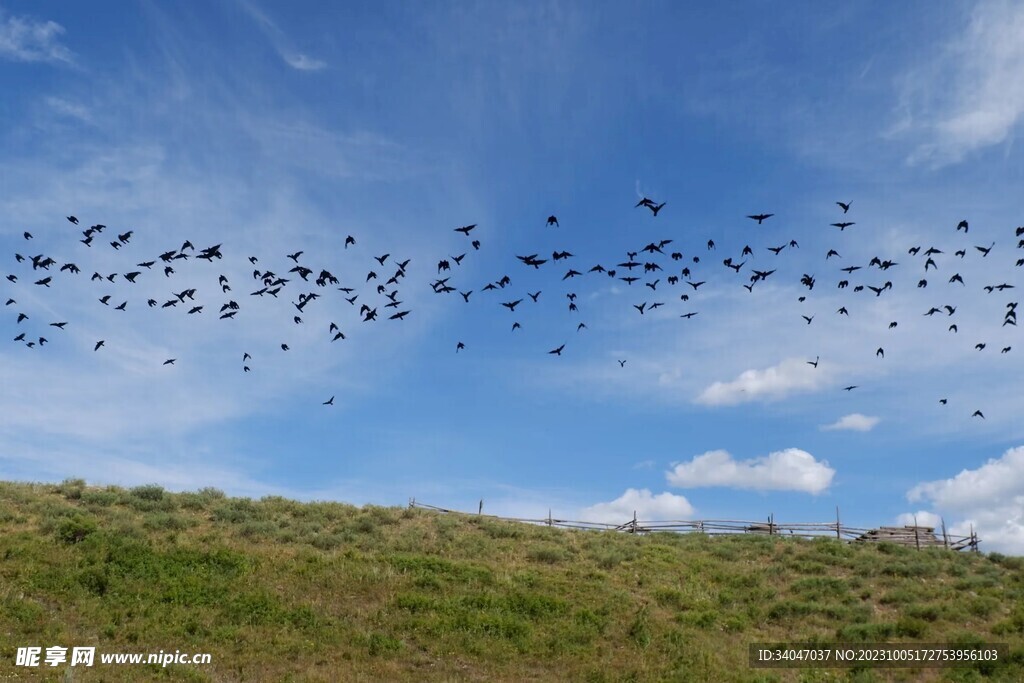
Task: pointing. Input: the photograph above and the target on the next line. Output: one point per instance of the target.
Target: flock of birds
(659, 266)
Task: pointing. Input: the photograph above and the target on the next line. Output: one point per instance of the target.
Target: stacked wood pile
(913, 536)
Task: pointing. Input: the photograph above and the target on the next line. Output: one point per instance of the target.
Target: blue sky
(271, 128)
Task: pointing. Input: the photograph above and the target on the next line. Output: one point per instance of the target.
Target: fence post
(549, 516)
(917, 541)
(771, 524)
(412, 503)
(945, 537)
(838, 536)
(480, 510)
(633, 529)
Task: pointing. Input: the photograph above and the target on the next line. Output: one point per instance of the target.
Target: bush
(148, 492)
(71, 488)
(75, 529)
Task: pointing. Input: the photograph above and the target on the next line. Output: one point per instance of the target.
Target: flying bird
(761, 217)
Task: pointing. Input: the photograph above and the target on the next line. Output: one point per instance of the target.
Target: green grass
(278, 590)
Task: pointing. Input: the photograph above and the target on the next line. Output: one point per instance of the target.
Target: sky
(272, 128)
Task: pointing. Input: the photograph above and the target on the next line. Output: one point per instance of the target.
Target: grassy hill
(278, 590)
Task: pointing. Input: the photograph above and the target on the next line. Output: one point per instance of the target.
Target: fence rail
(915, 536)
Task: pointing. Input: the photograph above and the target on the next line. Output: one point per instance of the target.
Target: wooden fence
(914, 536)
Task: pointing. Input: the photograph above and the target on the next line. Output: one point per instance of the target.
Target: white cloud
(989, 498)
(663, 506)
(791, 376)
(971, 96)
(856, 422)
(280, 41)
(302, 62)
(24, 39)
(920, 518)
(789, 470)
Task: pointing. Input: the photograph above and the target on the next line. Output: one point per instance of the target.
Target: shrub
(71, 488)
(75, 529)
(148, 492)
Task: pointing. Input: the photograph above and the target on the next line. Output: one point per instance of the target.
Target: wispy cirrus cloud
(855, 422)
(791, 469)
(24, 39)
(970, 96)
(280, 41)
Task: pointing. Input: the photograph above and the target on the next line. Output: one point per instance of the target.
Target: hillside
(278, 590)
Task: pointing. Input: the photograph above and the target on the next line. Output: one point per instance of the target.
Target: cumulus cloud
(970, 96)
(788, 470)
(24, 39)
(923, 518)
(791, 376)
(856, 422)
(663, 506)
(990, 499)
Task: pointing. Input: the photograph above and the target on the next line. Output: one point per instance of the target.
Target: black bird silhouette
(622, 363)
(100, 343)
(400, 315)
(984, 250)
(978, 413)
(814, 363)
(558, 351)
(880, 352)
(27, 235)
(850, 388)
(844, 206)
(943, 401)
(459, 347)
(515, 326)
(465, 229)
(170, 361)
(59, 326)
(552, 221)
(22, 316)
(807, 319)
(760, 217)
(843, 225)
(511, 305)
(121, 306)
(962, 225)
(476, 244)
(329, 402)
(349, 240)
(655, 208)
